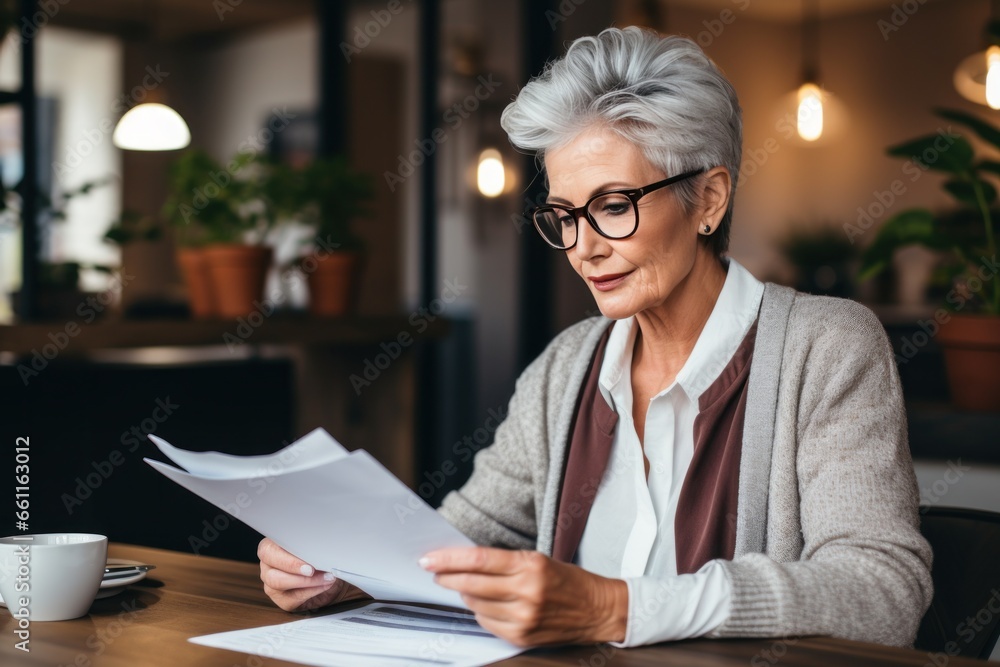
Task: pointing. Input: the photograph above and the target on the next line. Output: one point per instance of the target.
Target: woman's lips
(609, 281)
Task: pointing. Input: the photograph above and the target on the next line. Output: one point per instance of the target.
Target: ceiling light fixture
(151, 127)
(977, 77)
(490, 176)
(809, 116)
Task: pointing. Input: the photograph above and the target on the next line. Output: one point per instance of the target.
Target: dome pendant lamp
(152, 125)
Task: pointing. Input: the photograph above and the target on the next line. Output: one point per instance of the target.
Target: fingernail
(307, 570)
(425, 562)
(329, 576)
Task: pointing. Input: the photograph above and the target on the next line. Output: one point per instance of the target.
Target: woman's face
(626, 276)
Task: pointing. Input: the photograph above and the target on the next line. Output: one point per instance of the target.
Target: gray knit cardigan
(827, 530)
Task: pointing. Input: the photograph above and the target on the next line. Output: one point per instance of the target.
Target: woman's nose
(588, 242)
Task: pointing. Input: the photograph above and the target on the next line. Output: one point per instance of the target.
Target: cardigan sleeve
(496, 506)
(864, 571)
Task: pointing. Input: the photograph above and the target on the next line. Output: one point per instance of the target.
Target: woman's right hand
(293, 584)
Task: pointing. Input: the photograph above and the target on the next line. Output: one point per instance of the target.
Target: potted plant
(220, 235)
(333, 196)
(821, 255)
(968, 324)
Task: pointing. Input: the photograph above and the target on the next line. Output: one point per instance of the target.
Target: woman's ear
(715, 193)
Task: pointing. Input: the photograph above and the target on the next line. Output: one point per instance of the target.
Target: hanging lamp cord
(810, 41)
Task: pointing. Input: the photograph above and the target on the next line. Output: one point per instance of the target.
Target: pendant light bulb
(810, 112)
(151, 127)
(993, 77)
(490, 176)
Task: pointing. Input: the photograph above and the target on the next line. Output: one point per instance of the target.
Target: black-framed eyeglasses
(613, 214)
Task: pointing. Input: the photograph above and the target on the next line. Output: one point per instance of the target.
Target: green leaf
(985, 130)
(117, 235)
(965, 191)
(940, 152)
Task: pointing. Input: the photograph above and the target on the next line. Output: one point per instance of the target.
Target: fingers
(484, 560)
(284, 581)
(269, 552)
(302, 598)
(483, 586)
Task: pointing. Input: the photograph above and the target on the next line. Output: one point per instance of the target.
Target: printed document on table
(376, 635)
(341, 512)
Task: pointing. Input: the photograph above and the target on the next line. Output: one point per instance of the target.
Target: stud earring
(708, 229)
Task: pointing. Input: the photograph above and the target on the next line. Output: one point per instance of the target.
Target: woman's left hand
(530, 599)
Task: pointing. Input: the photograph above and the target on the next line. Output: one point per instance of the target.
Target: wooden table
(186, 596)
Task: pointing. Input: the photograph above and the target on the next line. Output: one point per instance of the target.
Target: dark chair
(964, 616)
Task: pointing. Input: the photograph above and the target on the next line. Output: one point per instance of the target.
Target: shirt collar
(732, 316)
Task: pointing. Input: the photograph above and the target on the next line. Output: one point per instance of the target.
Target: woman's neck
(668, 332)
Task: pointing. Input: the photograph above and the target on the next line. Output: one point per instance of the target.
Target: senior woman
(715, 455)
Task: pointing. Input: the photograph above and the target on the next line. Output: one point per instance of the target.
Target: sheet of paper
(376, 635)
(348, 515)
(312, 449)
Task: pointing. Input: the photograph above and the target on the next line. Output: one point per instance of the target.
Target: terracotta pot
(332, 279)
(194, 270)
(972, 359)
(238, 273)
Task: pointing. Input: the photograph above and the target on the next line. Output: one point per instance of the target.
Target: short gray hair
(662, 94)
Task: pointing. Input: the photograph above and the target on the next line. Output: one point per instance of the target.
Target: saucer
(115, 586)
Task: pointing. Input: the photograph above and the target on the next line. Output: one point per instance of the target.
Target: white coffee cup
(51, 577)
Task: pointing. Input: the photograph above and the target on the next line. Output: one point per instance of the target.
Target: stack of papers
(376, 635)
(342, 512)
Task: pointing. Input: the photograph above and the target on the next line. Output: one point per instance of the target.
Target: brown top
(705, 522)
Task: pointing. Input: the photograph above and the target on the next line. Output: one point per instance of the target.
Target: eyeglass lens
(614, 214)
